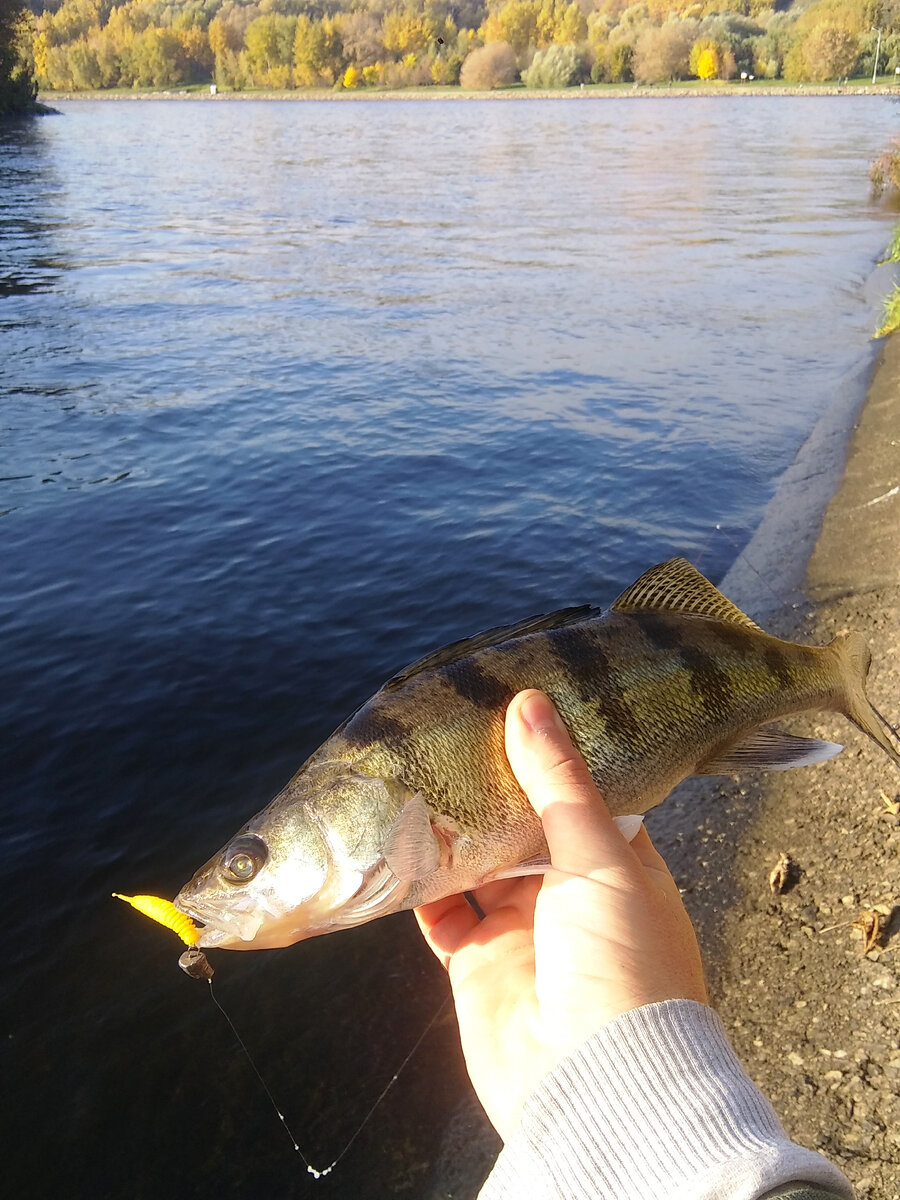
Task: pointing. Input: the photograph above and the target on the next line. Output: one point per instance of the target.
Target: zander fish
(412, 798)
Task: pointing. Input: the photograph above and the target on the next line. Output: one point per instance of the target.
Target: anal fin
(629, 827)
(769, 749)
(539, 865)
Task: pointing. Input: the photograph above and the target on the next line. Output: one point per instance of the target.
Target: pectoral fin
(412, 849)
(769, 749)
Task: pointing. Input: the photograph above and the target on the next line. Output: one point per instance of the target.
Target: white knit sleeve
(655, 1105)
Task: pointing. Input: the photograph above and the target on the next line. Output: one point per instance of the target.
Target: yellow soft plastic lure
(166, 913)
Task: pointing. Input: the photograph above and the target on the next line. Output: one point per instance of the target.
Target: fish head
(308, 863)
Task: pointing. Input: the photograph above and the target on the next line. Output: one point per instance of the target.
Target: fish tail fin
(854, 659)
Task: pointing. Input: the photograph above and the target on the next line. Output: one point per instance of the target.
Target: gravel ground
(815, 1019)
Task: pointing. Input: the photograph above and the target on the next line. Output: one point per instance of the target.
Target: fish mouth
(225, 930)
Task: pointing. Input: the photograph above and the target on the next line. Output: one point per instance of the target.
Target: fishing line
(390, 1083)
(894, 729)
(240, 1041)
(384, 1091)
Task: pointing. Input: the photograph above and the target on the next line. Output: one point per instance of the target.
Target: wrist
(655, 1103)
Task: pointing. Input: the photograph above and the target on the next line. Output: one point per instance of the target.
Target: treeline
(239, 44)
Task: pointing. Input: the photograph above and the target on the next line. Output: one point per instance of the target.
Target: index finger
(445, 925)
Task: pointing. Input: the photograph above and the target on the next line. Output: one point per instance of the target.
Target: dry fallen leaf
(872, 924)
(783, 875)
(890, 806)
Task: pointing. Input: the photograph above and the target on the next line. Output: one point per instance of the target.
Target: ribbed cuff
(654, 1104)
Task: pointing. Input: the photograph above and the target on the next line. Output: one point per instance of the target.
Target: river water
(289, 394)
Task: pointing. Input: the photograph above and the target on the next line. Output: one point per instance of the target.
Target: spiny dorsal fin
(676, 586)
(466, 647)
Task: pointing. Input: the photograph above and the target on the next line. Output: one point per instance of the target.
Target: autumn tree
(516, 24)
(156, 59)
(269, 43)
(704, 62)
(318, 52)
(829, 52)
(226, 40)
(662, 53)
(490, 66)
(571, 27)
(361, 36)
(403, 32)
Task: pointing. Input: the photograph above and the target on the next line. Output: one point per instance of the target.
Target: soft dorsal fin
(676, 586)
(490, 637)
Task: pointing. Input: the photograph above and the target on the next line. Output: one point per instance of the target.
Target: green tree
(318, 52)
(269, 43)
(18, 88)
(619, 62)
(156, 59)
(555, 67)
(83, 65)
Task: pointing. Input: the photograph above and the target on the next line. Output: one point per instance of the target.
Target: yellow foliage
(353, 77)
(403, 32)
(490, 31)
(370, 75)
(195, 44)
(40, 50)
(707, 64)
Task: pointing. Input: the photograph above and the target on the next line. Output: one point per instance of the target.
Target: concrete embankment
(628, 91)
(815, 1019)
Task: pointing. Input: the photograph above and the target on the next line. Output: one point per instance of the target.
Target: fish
(412, 798)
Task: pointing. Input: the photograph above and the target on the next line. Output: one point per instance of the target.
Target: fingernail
(539, 714)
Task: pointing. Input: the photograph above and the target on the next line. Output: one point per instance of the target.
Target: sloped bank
(817, 1022)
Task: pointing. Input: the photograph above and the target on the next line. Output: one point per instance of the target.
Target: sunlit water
(292, 393)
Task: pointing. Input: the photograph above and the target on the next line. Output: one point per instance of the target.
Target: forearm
(656, 1105)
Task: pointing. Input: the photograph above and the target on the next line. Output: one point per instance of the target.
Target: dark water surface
(289, 394)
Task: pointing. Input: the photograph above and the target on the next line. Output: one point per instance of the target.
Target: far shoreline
(584, 92)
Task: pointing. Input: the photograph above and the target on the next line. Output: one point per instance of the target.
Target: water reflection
(29, 192)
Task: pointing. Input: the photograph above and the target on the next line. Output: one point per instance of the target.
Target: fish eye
(244, 858)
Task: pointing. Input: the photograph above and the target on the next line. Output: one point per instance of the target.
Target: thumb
(580, 832)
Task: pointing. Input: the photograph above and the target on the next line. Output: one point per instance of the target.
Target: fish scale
(412, 798)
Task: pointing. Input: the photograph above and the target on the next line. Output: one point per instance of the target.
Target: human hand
(555, 959)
